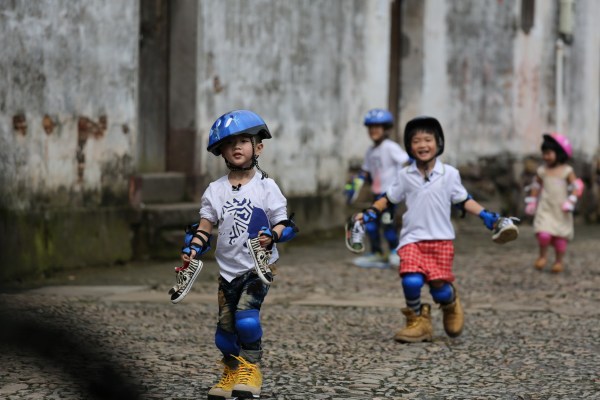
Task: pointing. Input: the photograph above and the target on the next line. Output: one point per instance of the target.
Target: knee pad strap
(247, 324)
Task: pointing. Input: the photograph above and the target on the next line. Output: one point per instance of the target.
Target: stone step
(161, 228)
(158, 187)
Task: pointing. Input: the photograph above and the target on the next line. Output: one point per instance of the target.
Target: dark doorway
(395, 63)
(167, 86)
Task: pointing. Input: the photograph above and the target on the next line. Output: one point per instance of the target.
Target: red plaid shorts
(432, 258)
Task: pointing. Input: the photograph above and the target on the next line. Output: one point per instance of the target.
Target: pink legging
(559, 243)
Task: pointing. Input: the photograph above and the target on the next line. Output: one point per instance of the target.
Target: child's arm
(353, 187)
(574, 191)
(532, 199)
(283, 231)
(200, 241)
(489, 218)
(373, 212)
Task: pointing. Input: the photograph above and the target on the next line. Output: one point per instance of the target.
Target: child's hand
(531, 205)
(569, 204)
(188, 257)
(264, 240)
(266, 237)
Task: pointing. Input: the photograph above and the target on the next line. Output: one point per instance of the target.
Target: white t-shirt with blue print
(240, 214)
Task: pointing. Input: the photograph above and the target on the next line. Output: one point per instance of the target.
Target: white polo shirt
(383, 163)
(428, 202)
(240, 215)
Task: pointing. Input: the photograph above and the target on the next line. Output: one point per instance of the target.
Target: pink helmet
(562, 141)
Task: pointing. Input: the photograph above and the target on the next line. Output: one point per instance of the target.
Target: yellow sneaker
(222, 390)
(248, 382)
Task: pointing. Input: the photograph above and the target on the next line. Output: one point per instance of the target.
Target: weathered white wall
(491, 85)
(311, 69)
(68, 61)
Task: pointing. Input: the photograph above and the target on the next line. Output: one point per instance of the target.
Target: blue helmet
(237, 122)
(378, 116)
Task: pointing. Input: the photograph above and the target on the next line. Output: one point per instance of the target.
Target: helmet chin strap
(253, 164)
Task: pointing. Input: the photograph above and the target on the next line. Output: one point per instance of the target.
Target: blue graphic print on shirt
(246, 218)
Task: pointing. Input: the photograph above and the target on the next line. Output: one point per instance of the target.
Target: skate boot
(394, 260)
(355, 233)
(505, 230)
(373, 260)
(222, 390)
(557, 268)
(186, 275)
(248, 382)
(454, 317)
(261, 257)
(540, 263)
(418, 327)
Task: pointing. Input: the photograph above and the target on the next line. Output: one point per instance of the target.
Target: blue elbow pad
(288, 233)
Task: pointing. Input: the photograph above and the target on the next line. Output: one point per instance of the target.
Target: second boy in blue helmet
(383, 160)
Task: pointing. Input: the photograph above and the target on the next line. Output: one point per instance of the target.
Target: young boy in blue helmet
(383, 160)
(251, 213)
(429, 189)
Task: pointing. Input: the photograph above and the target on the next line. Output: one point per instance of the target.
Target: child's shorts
(432, 258)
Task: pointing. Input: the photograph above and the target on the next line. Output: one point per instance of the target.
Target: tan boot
(557, 268)
(540, 263)
(418, 327)
(454, 317)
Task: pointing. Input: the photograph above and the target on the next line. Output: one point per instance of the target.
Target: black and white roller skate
(355, 234)
(261, 257)
(186, 275)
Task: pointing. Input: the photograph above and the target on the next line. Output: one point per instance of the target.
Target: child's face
(376, 133)
(423, 146)
(238, 150)
(549, 157)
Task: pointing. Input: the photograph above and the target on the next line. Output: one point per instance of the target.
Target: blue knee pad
(443, 294)
(372, 227)
(389, 231)
(412, 284)
(247, 324)
(227, 342)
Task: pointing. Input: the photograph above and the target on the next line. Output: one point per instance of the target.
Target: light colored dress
(549, 216)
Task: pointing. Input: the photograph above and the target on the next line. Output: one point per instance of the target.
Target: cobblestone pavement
(328, 329)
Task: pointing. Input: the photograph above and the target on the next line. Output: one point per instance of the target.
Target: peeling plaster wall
(311, 69)
(68, 100)
(492, 86)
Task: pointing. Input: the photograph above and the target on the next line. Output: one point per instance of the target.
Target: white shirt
(383, 163)
(428, 202)
(240, 214)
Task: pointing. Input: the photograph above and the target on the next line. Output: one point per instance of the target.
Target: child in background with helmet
(552, 200)
(251, 213)
(430, 188)
(382, 162)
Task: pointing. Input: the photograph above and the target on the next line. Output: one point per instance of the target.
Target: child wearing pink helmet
(554, 193)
